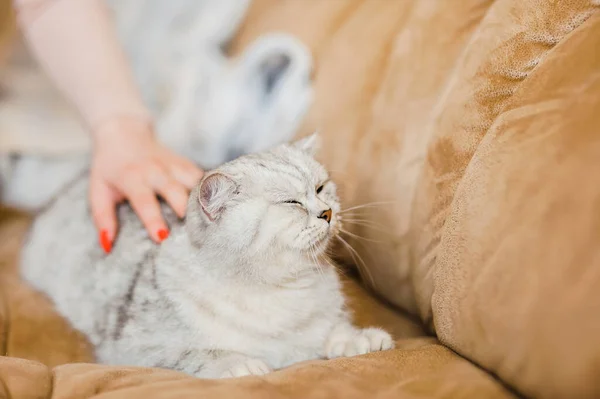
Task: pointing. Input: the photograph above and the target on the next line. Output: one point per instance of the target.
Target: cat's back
(61, 233)
(62, 258)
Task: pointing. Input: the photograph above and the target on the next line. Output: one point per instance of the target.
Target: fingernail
(105, 241)
(163, 234)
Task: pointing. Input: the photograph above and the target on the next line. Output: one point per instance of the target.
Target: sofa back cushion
(476, 123)
(381, 68)
(517, 276)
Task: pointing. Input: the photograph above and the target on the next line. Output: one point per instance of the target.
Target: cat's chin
(319, 247)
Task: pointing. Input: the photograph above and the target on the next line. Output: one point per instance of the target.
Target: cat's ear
(215, 191)
(309, 144)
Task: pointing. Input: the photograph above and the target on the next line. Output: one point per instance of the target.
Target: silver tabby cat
(241, 287)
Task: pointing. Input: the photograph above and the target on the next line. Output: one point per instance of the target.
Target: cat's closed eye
(292, 202)
(320, 188)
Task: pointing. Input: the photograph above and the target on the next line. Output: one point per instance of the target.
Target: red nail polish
(105, 241)
(163, 234)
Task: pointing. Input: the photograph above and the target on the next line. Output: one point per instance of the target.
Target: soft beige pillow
(517, 276)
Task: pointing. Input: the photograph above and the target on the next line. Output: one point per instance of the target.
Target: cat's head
(279, 203)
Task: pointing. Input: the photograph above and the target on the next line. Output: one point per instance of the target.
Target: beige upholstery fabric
(477, 120)
(377, 95)
(476, 124)
(517, 286)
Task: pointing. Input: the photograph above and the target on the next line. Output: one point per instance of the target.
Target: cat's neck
(180, 258)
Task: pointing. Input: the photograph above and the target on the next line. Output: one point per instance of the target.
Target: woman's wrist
(117, 129)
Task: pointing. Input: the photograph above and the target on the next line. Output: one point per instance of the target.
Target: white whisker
(327, 259)
(369, 224)
(359, 237)
(315, 261)
(361, 265)
(368, 205)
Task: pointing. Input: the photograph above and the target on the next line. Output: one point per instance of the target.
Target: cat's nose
(326, 215)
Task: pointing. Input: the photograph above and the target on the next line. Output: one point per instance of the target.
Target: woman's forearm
(75, 43)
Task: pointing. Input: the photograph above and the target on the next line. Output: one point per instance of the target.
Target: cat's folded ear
(309, 144)
(216, 190)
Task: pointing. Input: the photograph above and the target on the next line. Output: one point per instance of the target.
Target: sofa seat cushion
(418, 368)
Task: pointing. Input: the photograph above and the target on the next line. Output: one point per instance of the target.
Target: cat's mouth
(321, 242)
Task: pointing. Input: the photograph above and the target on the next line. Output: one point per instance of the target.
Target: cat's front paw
(247, 367)
(346, 342)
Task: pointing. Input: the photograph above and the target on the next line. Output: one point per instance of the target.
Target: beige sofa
(478, 124)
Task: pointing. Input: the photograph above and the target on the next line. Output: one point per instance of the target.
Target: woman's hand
(129, 164)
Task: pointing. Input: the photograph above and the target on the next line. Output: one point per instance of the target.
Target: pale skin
(75, 43)
(129, 164)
